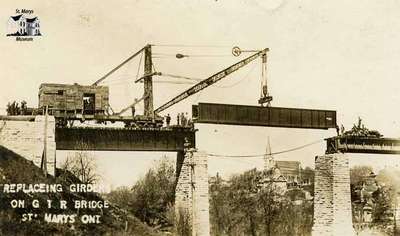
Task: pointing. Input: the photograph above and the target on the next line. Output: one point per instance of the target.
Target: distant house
(16, 25)
(33, 26)
(21, 26)
(274, 177)
(290, 170)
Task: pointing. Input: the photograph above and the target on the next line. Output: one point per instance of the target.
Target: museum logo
(24, 26)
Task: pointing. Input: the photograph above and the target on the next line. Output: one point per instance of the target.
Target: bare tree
(83, 166)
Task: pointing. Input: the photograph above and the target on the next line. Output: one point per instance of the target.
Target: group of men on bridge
(182, 119)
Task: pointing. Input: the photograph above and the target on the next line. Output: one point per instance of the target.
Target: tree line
(240, 205)
(243, 206)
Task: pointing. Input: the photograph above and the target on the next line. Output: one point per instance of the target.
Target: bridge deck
(355, 144)
(121, 139)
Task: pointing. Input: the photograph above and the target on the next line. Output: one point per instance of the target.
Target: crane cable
(191, 46)
(120, 80)
(265, 154)
(140, 63)
(180, 77)
(166, 55)
(240, 80)
(119, 66)
(198, 79)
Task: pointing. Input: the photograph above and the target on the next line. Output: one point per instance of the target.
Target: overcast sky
(339, 55)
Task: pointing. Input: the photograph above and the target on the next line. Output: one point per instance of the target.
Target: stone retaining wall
(27, 139)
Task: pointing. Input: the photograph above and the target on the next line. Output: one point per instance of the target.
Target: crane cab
(71, 100)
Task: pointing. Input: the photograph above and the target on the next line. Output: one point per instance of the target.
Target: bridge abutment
(332, 200)
(191, 197)
(27, 139)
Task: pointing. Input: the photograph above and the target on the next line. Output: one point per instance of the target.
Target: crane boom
(211, 80)
(119, 66)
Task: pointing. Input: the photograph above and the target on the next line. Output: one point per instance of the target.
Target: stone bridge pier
(191, 196)
(332, 199)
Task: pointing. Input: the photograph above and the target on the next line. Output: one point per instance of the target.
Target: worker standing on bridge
(133, 111)
(168, 119)
(183, 119)
(190, 123)
(178, 119)
(341, 129)
(187, 119)
(133, 107)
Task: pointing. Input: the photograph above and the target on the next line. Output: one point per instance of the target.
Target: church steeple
(269, 162)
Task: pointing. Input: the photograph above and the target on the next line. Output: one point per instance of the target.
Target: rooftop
(16, 18)
(30, 20)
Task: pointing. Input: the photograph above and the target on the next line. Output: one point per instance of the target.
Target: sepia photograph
(200, 118)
